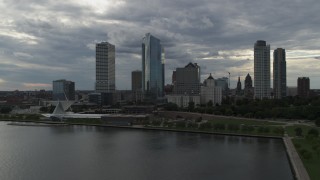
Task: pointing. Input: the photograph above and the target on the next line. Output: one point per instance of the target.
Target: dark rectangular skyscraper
(261, 70)
(136, 80)
(279, 73)
(303, 87)
(152, 67)
(188, 80)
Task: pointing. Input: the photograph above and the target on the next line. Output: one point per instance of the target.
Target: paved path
(297, 165)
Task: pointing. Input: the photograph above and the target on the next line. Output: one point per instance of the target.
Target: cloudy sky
(45, 40)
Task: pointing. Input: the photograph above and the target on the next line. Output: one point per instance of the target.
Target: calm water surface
(78, 152)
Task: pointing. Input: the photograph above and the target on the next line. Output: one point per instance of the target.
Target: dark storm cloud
(58, 38)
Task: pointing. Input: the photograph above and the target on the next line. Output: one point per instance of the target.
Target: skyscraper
(261, 70)
(63, 90)
(188, 80)
(105, 67)
(303, 87)
(152, 67)
(279, 73)
(136, 80)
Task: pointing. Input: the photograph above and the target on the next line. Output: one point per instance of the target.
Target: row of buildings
(148, 85)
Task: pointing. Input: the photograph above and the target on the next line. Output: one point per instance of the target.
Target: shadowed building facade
(63, 90)
(188, 80)
(279, 73)
(303, 87)
(261, 70)
(248, 88)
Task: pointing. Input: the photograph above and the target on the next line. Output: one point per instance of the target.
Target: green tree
(313, 132)
(171, 107)
(191, 106)
(298, 131)
(6, 110)
(317, 122)
(210, 103)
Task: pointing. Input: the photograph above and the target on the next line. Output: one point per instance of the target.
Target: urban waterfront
(84, 152)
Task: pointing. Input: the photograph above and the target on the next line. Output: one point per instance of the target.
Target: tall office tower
(188, 80)
(105, 67)
(63, 90)
(136, 80)
(279, 73)
(261, 70)
(303, 87)
(248, 89)
(152, 68)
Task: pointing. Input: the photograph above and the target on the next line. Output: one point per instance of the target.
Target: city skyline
(55, 40)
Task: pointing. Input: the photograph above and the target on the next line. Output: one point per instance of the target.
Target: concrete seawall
(298, 168)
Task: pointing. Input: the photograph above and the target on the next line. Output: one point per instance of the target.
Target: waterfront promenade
(297, 164)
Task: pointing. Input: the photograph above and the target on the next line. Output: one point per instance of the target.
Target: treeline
(287, 108)
(217, 127)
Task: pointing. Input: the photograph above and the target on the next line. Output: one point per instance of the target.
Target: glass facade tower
(63, 90)
(152, 67)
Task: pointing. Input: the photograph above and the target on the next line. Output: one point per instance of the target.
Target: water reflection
(79, 152)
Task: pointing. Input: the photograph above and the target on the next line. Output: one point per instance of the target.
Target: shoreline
(144, 128)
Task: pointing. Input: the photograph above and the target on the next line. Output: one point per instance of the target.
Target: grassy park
(222, 125)
(307, 143)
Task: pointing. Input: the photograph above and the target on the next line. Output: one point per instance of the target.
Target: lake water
(79, 152)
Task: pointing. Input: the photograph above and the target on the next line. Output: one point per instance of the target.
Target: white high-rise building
(261, 70)
(105, 67)
(211, 92)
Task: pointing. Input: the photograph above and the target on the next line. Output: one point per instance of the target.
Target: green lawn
(255, 127)
(291, 130)
(313, 164)
(243, 121)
